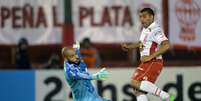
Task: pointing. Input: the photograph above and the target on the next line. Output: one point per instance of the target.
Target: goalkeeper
(78, 77)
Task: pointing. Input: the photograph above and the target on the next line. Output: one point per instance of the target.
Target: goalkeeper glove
(101, 75)
(76, 45)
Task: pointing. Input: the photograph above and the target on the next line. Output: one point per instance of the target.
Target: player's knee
(135, 84)
(137, 92)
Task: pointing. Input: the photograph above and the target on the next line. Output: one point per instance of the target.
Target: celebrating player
(78, 77)
(153, 43)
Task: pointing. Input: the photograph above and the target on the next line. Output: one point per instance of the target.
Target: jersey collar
(73, 62)
(151, 26)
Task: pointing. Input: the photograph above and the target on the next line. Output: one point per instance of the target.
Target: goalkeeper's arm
(76, 46)
(101, 75)
(77, 75)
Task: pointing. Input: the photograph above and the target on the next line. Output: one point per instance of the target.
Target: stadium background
(49, 25)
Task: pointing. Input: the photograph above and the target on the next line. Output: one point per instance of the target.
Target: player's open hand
(76, 45)
(101, 75)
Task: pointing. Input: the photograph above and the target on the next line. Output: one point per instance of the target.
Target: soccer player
(153, 43)
(78, 77)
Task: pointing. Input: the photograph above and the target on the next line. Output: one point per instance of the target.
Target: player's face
(146, 19)
(72, 56)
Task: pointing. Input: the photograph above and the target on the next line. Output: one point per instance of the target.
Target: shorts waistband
(157, 60)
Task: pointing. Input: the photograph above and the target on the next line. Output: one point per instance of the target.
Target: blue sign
(17, 85)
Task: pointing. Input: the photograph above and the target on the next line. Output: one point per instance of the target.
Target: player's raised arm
(76, 46)
(78, 75)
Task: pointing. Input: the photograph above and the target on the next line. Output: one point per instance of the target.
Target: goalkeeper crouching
(77, 76)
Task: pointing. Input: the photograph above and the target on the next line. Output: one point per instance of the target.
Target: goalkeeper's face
(71, 55)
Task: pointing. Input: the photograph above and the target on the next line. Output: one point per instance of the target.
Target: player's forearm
(83, 77)
(163, 48)
(134, 45)
(86, 76)
(76, 46)
(79, 55)
(79, 75)
(78, 52)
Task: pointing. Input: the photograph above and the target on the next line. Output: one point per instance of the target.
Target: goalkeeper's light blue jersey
(80, 82)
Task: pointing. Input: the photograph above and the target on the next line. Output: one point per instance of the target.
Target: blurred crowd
(22, 56)
(95, 56)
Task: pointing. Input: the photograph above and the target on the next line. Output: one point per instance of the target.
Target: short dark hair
(148, 10)
(86, 40)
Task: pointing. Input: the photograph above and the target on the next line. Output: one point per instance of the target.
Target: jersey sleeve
(83, 66)
(158, 37)
(78, 75)
(78, 52)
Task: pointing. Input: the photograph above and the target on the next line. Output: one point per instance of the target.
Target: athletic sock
(142, 98)
(153, 89)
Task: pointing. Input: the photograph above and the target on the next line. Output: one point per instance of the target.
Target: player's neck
(149, 24)
(70, 62)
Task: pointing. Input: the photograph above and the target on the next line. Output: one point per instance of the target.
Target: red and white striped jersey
(151, 39)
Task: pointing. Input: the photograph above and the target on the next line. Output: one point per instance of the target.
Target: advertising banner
(110, 21)
(185, 83)
(17, 86)
(50, 85)
(185, 22)
(39, 21)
